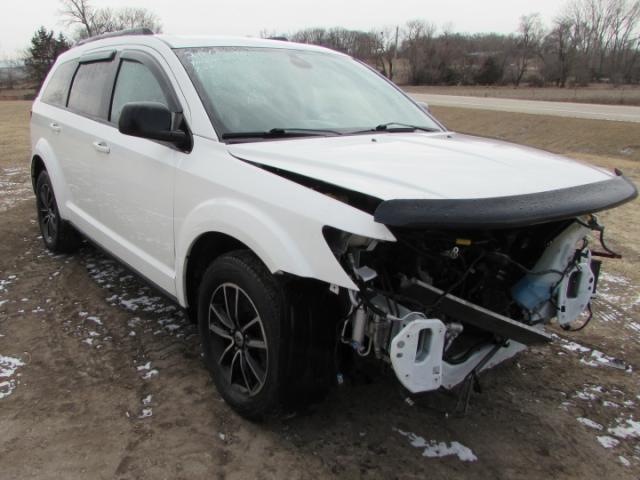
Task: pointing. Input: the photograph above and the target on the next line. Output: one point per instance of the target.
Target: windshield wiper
(399, 127)
(282, 132)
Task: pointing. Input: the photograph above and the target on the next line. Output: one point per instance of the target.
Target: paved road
(561, 109)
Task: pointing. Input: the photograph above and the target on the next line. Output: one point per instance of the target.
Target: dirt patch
(105, 381)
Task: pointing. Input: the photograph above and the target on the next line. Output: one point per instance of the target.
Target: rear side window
(58, 87)
(135, 83)
(88, 88)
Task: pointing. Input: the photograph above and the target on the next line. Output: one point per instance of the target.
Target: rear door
(137, 175)
(49, 120)
(82, 125)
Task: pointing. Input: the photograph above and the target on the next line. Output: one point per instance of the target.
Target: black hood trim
(508, 212)
(361, 201)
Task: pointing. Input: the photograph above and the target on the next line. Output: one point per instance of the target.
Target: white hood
(422, 165)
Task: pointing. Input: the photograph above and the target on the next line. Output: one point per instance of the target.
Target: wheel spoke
(43, 198)
(250, 324)
(244, 374)
(222, 317)
(257, 372)
(224, 354)
(233, 364)
(48, 227)
(220, 331)
(226, 306)
(258, 344)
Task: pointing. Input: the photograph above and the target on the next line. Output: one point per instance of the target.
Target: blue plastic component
(532, 291)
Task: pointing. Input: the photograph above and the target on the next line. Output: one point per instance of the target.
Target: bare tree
(528, 44)
(385, 49)
(418, 40)
(95, 21)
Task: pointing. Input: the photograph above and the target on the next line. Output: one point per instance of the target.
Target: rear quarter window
(88, 88)
(57, 89)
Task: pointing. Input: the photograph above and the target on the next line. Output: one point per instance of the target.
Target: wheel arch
(44, 158)
(37, 167)
(204, 250)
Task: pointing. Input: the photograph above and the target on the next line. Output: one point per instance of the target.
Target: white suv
(306, 212)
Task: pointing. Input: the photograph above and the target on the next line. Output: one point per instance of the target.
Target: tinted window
(135, 83)
(88, 88)
(58, 86)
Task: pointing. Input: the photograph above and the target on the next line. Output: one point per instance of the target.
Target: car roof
(190, 41)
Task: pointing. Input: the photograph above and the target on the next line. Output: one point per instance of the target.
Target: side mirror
(424, 106)
(150, 120)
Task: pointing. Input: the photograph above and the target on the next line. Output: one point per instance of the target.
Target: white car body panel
(423, 165)
(279, 220)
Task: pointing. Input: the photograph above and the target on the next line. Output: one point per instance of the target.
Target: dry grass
(14, 133)
(558, 134)
(603, 94)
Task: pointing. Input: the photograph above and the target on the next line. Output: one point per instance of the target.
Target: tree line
(589, 41)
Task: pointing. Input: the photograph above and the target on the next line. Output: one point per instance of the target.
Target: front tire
(58, 235)
(242, 322)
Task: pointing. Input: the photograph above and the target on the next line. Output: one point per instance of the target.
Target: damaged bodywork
(469, 282)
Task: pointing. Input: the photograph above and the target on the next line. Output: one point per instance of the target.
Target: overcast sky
(249, 17)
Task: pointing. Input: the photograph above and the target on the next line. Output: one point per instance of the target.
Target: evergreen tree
(40, 56)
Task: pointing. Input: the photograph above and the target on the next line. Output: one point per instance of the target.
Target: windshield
(274, 90)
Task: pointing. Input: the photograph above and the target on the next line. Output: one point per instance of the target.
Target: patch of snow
(146, 366)
(147, 400)
(95, 320)
(624, 461)
(608, 442)
(434, 449)
(628, 428)
(575, 347)
(598, 358)
(88, 341)
(146, 412)
(222, 436)
(589, 423)
(8, 368)
(150, 373)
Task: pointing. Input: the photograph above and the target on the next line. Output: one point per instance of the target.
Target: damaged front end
(447, 300)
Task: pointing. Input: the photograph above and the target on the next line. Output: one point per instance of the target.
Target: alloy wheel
(239, 344)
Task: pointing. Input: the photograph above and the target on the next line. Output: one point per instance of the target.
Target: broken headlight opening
(441, 305)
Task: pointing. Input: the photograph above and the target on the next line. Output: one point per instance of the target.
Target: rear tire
(260, 356)
(58, 235)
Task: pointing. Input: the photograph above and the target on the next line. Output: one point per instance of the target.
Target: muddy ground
(100, 377)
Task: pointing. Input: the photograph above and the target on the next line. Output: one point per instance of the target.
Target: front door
(137, 187)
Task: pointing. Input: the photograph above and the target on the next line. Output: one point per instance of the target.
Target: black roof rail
(119, 33)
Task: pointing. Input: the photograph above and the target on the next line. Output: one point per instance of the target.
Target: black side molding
(508, 212)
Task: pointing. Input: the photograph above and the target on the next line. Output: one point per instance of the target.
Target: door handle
(101, 147)
(55, 127)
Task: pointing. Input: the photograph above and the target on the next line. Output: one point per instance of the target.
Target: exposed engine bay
(441, 305)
